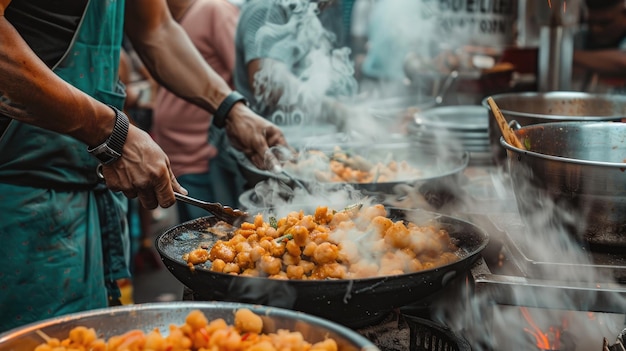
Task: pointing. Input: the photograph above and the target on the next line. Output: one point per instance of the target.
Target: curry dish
(198, 333)
(357, 242)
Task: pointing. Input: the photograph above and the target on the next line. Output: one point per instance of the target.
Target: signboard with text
(474, 22)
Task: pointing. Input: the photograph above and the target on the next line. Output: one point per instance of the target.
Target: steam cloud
(314, 69)
(329, 71)
(556, 257)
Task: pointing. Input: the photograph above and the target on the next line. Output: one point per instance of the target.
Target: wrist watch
(111, 149)
(219, 117)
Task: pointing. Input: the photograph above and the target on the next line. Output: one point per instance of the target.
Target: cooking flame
(550, 340)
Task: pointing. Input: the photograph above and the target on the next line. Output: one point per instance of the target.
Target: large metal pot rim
(617, 165)
(557, 95)
(188, 306)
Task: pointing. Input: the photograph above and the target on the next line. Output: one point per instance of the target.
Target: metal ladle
(224, 213)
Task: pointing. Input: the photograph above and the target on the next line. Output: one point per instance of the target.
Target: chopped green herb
(285, 237)
(274, 222)
(353, 207)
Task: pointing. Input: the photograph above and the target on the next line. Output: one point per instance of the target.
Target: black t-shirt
(47, 25)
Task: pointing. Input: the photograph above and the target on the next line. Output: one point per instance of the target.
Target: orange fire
(549, 340)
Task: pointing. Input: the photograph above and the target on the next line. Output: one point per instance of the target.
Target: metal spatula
(225, 213)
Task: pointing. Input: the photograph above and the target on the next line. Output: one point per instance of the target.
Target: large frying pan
(354, 303)
(439, 181)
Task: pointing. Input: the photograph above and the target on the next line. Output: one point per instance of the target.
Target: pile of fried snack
(356, 242)
(197, 334)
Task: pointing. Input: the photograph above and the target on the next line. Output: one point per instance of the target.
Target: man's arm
(39, 97)
(170, 56)
(176, 64)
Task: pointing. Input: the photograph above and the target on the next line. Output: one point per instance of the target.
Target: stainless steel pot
(560, 106)
(581, 168)
(146, 317)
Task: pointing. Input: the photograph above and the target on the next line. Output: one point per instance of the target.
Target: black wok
(354, 303)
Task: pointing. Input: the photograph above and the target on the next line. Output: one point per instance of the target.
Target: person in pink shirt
(197, 152)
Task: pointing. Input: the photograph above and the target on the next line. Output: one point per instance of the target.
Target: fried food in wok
(357, 242)
(198, 333)
(343, 166)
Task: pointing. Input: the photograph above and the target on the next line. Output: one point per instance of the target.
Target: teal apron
(63, 235)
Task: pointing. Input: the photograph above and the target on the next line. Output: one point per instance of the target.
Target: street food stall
(434, 233)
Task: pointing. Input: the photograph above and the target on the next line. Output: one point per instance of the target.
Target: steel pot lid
(457, 118)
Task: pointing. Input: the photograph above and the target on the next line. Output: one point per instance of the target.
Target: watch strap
(220, 115)
(111, 149)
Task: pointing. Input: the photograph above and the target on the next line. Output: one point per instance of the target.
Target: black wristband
(219, 118)
(111, 149)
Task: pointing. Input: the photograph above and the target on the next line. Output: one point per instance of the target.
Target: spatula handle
(507, 132)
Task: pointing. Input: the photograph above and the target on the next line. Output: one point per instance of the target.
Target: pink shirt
(180, 128)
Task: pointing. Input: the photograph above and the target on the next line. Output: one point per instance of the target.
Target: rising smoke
(311, 67)
(553, 256)
(319, 69)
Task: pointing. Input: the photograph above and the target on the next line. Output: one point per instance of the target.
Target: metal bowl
(581, 168)
(560, 106)
(117, 320)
